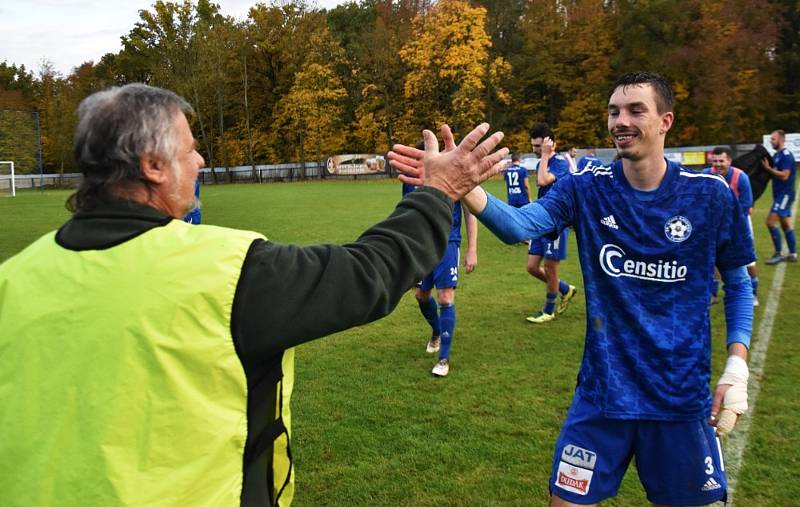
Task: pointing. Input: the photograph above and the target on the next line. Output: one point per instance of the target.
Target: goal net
(7, 182)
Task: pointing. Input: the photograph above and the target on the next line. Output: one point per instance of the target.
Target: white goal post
(11, 178)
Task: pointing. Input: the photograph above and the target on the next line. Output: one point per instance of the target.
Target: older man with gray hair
(147, 361)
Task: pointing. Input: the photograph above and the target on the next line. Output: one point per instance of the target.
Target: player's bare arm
(471, 257)
(543, 176)
(528, 188)
(781, 175)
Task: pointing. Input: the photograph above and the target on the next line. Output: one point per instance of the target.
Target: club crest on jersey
(678, 229)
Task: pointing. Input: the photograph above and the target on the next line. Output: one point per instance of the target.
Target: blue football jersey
(589, 161)
(514, 177)
(558, 167)
(783, 160)
(455, 230)
(647, 261)
(195, 216)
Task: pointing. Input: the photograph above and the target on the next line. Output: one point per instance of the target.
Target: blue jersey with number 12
(514, 177)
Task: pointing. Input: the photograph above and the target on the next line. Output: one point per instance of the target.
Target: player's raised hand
(458, 169)
(548, 147)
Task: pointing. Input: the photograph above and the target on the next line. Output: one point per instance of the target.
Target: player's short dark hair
(781, 133)
(665, 97)
(516, 157)
(541, 130)
(719, 150)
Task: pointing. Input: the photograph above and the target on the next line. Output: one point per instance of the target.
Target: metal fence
(22, 181)
(240, 174)
(261, 173)
(271, 173)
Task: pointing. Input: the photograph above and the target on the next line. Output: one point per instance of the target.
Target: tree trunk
(203, 136)
(247, 123)
(220, 100)
(302, 151)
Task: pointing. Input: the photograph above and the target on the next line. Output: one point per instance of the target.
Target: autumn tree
(312, 110)
(785, 68)
(17, 117)
(727, 67)
(565, 68)
(449, 68)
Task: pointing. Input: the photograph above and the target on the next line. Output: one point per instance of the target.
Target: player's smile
(624, 138)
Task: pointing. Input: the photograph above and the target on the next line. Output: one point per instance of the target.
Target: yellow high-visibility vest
(119, 380)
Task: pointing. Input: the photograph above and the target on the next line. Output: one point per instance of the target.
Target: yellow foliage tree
(312, 110)
(449, 68)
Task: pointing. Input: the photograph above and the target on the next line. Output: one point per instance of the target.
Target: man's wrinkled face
(185, 165)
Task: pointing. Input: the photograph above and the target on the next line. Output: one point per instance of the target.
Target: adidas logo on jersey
(610, 222)
(710, 485)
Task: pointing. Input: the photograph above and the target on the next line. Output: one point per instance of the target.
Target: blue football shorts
(782, 205)
(553, 250)
(445, 274)
(679, 462)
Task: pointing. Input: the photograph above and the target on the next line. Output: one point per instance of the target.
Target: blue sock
(428, 309)
(447, 317)
(754, 283)
(550, 305)
(714, 287)
(775, 232)
(790, 240)
(563, 288)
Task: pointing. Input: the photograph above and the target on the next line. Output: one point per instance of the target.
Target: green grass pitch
(371, 426)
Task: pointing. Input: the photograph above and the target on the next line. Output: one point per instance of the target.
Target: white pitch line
(737, 440)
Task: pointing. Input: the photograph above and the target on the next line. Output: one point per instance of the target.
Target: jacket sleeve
(288, 295)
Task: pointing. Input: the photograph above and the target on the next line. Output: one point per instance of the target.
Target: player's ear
(666, 122)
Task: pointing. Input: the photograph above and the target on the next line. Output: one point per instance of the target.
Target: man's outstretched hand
(456, 170)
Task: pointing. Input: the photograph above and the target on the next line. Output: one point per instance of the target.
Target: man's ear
(666, 122)
(153, 170)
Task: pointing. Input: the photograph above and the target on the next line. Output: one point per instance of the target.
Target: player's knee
(556, 501)
(551, 269)
(446, 296)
